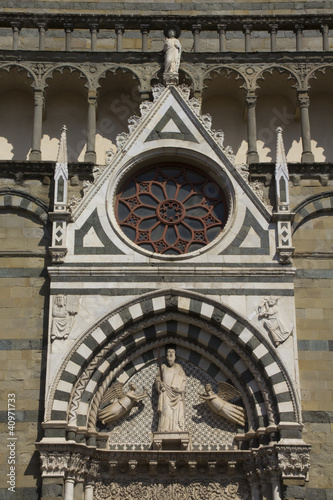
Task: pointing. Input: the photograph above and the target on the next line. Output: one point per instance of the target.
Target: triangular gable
(171, 126)
(172, 121)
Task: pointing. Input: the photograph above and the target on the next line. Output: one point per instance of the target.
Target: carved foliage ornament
(167, 490)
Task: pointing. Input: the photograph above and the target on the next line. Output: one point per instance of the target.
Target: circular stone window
(171, 210)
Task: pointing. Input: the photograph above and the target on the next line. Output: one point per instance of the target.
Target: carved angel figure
(219, 403)
(268, 310)
(120, 403)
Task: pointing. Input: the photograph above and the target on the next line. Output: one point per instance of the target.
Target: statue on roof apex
(172, 49)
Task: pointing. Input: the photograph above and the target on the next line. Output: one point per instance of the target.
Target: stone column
(299, 37)
(69, 489)
(221, 29)
(93, 36)
(324, 30)
(119, 29)
(35, 153)
(255, 491)
(273, 32)
(68, 27)
(144, 28)
(252, 153)
(90, 154)
(304, 103)
(89, 492)
(16, 27)
(196, 28)
(42, 28)
(276, 488)
(247, 29)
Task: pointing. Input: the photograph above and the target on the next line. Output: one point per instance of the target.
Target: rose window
(171, 210)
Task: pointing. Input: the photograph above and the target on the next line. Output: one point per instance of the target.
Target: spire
(61, 173)
(281, 174)
(62, 150)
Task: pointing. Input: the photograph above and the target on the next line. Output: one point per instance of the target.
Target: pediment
(173, 123)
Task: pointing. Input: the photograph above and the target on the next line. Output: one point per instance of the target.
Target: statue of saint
(219, 403)
(120, 403)
(172, 49)
(62, 319)
(170, 384)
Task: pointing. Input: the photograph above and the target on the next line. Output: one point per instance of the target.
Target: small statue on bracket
(120, 402)
(219, 403)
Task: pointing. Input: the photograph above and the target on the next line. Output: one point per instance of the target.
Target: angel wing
(227, 391)
(115, 392)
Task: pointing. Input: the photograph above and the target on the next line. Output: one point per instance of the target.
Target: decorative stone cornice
(157, 22)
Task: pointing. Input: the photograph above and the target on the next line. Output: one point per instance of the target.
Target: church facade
(166, 226)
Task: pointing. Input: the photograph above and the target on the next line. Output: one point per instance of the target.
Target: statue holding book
(170, 384)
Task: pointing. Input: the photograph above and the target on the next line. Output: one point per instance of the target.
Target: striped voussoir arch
(318, 203)
(21, 201)
(208, 334)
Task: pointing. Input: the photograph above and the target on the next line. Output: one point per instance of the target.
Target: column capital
(303, 99)
(16, 25)
(324, 28)
(273, 27)
(251, 99)
(247, 28)
(144, 28)
(93, 26)
(298, 28)
(119, 28)
(222, 28)
(196, 28)
(68, 27)
(42, 26)
(92, 96)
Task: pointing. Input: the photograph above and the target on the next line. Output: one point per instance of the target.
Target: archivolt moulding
(244, 352)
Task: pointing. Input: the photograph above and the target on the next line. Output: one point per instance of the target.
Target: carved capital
(92, 96)
(119, 29)
(196, 29)
(39, 97)
(221, 28)
(68, 27)
(251, 100)
(16, 26)
(273, 27)
(303, 99)
(294, 461)
(247, 28)
(298, 28)
(94, 27)
(145, 28)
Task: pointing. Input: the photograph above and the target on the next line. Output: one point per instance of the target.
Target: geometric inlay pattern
(171, 210)
(207, 430)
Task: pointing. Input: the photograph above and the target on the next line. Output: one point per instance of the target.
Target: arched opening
(223, 99)
(16, 114)
(321, 105)
(65, 104)
(119, 99)
(276, 107)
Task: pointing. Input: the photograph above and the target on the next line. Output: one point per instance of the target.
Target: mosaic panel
(207, 431)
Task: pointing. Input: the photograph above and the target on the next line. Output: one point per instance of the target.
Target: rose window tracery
(171, 210)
